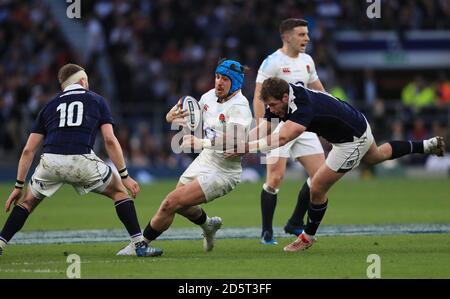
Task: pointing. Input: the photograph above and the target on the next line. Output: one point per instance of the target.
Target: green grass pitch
(374, 201)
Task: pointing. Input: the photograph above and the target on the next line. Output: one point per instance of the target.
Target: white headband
(74, 79)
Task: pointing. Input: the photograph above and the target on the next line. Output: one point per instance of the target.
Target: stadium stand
(160, 50)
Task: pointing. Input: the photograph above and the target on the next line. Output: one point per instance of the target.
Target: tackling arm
(234, 139)
(263, 129)
(289, 131)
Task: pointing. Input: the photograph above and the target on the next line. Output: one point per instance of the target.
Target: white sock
(2, 244)
(205, 225)
(270, 190)
(138, 238)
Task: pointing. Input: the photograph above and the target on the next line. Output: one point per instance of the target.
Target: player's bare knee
(275, 180)
(30, 204)
(318, 194)
(121, 195)
(171, 204)
(116, 191)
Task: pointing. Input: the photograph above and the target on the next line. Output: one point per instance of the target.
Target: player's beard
(284, 111)
(221, 97)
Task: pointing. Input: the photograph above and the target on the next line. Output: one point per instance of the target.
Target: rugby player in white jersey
(292, 64)
(210, 175)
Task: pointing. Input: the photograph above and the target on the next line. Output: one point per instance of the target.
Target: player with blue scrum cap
(67, 127)
(346, 128)
(210, 175)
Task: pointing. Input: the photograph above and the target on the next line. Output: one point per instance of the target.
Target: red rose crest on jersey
(308, 68)
(222, 118)
(205, 107)
(286, 70)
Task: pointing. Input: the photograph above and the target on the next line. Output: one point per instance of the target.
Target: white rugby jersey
(293, 70)
(215, 118)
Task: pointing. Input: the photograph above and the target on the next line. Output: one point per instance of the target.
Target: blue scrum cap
(233, 70)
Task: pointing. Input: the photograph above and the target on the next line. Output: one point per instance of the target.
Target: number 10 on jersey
(67, 116)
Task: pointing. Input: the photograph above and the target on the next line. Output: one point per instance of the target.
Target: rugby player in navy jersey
(346, 128)
(67, 127)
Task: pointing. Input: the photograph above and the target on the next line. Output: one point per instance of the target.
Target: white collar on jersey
(291, 102)
(291, 93)
(73, 86)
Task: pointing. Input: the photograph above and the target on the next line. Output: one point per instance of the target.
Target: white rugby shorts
(214, 182)
(304, 145)
(84, 172)
(344, 157)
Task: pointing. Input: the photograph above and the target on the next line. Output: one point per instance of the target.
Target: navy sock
(200, 220)
(315, 215)
(268, 204)
(303, 200)
(150, 234)
(127, 214)
(15, 222)
(402, 148)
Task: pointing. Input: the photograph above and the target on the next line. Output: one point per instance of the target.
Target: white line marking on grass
(124, 259)
(194, 233)
(29, 271)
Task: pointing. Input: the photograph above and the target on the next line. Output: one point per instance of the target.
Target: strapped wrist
(123, 173)
(19, 184)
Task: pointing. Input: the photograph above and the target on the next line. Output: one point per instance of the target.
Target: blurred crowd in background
(162, 49)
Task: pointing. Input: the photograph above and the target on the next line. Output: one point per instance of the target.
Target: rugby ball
(191, 105)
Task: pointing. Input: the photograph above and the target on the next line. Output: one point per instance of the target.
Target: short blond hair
(68, 70)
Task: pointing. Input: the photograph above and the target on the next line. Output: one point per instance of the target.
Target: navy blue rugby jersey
(70, 121)
(323, 114)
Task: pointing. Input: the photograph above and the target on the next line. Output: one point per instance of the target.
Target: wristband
(19, 184)
(123, 173)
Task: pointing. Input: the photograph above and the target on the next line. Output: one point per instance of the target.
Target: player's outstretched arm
(233, 140)
(263, 129)
(33, 143)
(289, 131)
(115, 153)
